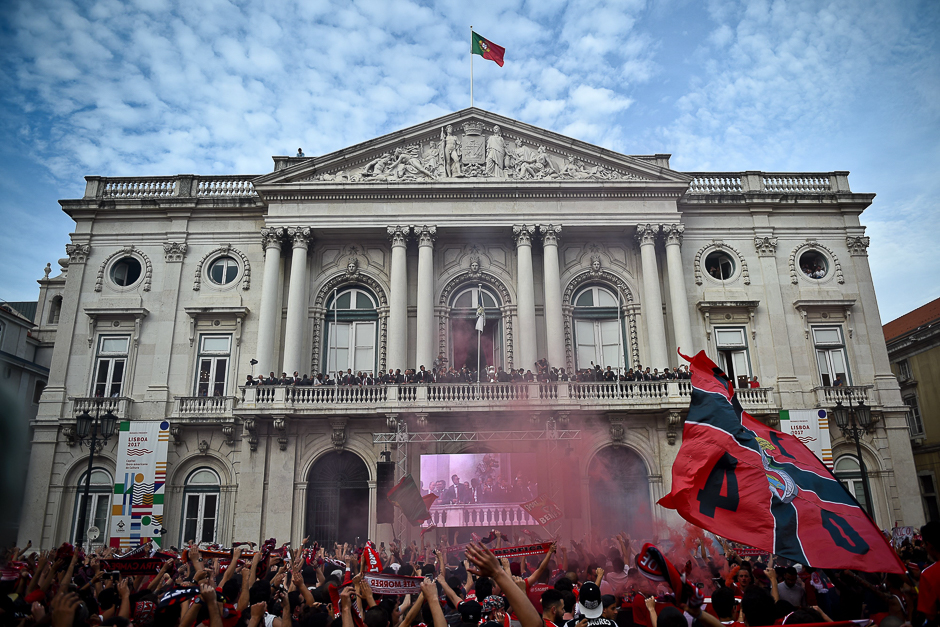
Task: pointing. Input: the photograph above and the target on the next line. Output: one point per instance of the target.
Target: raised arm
(486, 565)
(430, 591)
(534, 577)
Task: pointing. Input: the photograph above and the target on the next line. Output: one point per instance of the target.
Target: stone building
(379, 257)
(913, 342)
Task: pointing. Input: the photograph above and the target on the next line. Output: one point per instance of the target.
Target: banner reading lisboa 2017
(139, 482)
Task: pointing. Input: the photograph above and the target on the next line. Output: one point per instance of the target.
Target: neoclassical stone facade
(379, 257)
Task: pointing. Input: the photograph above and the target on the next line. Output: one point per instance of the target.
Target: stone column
(296, 301)
(427, 331)
(646, 236)
(270, 288)
(554, 320)
(398, 300)
(681, 316)
(525, 296)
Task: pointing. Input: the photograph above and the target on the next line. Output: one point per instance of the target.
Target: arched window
(99, 504)
(597, 329)
(201, 511)
(846, 470)
(351, 323)
(55, 308)
(464, 336)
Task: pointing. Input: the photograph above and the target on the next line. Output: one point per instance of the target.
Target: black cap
(470, 611)
(589, 600)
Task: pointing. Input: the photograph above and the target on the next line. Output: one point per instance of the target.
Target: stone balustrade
(181, 186)
(768, 182)
(117, 405)
(481, 515)
(449, 397)
(195, 406)
(827, 397)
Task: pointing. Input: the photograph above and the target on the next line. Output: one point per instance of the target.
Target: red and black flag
(738, 478)
(408, 498)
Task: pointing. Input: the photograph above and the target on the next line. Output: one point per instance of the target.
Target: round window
(223, 271)
(814, 264)
(125, 271)
(719, 265)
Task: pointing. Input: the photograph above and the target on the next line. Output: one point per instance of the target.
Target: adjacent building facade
(380, 256)
(913, 342)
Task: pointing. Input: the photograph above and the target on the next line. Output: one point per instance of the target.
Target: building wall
(263, 453)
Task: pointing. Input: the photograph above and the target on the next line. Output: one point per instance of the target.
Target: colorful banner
(522, 550)
(140, 480)
(393, 584)
(811, 427)
(543, 510)
(145, 566)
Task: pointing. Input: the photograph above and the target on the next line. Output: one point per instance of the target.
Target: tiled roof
(24, 309)
(912, 320)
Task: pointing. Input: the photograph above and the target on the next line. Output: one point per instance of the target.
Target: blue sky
(155, 87)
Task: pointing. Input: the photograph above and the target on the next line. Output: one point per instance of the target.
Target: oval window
(125, 271)
(814, 264)
(223, 271)
(719, 265)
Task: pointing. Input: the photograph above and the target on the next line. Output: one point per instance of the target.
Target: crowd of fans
(587, 584)
(442, 374)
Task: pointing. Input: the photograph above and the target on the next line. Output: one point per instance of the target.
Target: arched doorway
(338, 499)
(619, 493)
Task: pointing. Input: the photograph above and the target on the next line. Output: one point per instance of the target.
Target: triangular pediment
(472, 147)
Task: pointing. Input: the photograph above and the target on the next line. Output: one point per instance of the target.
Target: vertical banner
(139, 484)
(811, 427)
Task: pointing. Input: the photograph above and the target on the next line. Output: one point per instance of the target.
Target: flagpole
(335, 331)
(479, 333)
(620, 359)
(471, 66)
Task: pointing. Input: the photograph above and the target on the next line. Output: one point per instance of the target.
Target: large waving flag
(486, 49)
(408, 498)
(743, 480)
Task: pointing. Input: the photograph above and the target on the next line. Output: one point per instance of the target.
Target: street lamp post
(90, 430)
(853, 422)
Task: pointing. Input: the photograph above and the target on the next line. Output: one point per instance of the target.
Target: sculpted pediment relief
(472, 146)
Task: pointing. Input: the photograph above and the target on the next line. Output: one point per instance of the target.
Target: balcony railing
(461, 396)
(481, 515)
(208, 406)
(827, 397)
(117, 405)
(769, 182)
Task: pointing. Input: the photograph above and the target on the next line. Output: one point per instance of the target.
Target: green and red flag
(486, 49)
(408, 498)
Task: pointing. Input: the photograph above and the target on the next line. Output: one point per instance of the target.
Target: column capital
(300, 236)
(551, 233)
(646, 233)
(78, 253)
(672, 233)
(523, 233)
(398, 235)
(425, 234)
(858, 245)
(272, 237)
(766, 246)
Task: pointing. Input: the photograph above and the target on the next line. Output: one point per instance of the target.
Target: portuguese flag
(486, 49)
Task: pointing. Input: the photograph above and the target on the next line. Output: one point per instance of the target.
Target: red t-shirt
(535, 594)
(929, 589)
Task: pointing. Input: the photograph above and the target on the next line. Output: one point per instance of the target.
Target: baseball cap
(470, 611)
(589, 600)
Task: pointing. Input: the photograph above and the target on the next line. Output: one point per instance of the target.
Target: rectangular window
(914, 421)
(213, 364)
(733, 356)
(928, 492)
(830, 356)
(199, 520)
(351, 345)
(97, 516)
(598, 343)
(904, 370)
(110, 364)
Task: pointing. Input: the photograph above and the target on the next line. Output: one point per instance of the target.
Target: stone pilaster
(426, 335)
(554, 319)
(672, 233)
(270, 289)
(296, 300)
(526, 350)
(398, 299)
(646, 237)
